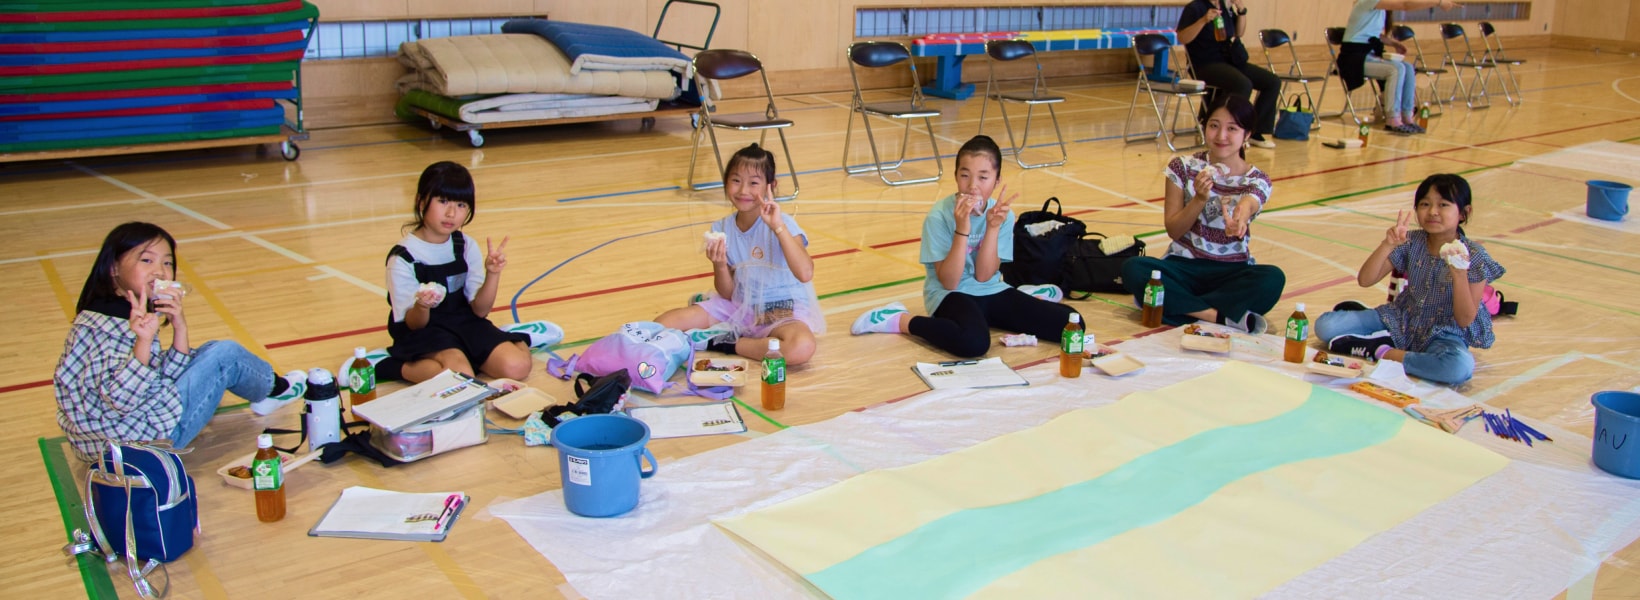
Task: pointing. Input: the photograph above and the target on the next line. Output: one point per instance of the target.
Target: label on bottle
(361, 380)
(1153, 295)
(266, 476)
(774, 371)
(1365, 130)
(1298, 330)
(1423, 113)
(1071, 342)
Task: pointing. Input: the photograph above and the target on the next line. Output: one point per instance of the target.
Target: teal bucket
(1617, 433)
(1608, 200)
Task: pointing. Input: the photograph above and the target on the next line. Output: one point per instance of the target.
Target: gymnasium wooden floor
(286, 258)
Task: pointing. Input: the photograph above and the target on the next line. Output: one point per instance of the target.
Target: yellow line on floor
(209, 585)
(58, 288)
(240, 334)
(441, 559)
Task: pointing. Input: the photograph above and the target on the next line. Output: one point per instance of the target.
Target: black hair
(752, 157)
(447, 180)
(1453, 188)
(99, 285)
(985, 146)
(1241, 111)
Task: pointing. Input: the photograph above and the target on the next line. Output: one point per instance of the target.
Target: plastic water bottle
(324, 409)
(1152, 315)
(1070, 348)
(774, 377)
(361, 379)
(268, 479)
(1298, 335)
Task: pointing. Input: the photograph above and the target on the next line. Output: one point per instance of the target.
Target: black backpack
(1041, 259)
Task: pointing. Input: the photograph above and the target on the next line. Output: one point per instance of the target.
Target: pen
(451, 504)
(958, 363)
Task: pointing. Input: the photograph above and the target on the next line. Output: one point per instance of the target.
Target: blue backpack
(142, 506)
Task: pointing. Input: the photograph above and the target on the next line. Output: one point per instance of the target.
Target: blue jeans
(1446, 360)
(217, 366)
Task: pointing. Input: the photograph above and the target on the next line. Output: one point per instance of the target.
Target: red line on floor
(24, 386)
(1316, 287)
(1533, 226)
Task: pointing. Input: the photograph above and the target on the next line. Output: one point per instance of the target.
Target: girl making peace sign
(761, 273)
(441, 291)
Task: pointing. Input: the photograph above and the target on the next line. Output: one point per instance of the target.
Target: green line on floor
(92, 569)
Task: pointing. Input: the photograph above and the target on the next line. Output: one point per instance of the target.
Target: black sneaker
(1350, 305)
(1364, 346)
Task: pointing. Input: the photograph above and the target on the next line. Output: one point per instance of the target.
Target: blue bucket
(1617, 433)
(1608, 200)
(600, 458)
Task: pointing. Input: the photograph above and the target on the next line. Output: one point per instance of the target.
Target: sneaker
(1261, 142)
(298, 385)
(1403, 129)
(1251, 322)
(1350, 305)
(1049, 292)
(1364, 346)
(698, 297)
(885, 319)
(543, 334)
(1413, 125)
(699, 339)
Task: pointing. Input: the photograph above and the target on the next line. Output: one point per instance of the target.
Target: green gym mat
(138, 139)
(308, 11)
(119, 80)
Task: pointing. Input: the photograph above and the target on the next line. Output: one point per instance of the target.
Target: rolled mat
(139, 139)
(83, 82)
(225, 41)
(156, 63)
(44, 108)
(53, 37)
(74, 129)
(306, 12)
(130, 14)
(47, 61)
(175, 90)
(150, 110)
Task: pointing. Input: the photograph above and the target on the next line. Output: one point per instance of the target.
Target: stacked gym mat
(91, 73)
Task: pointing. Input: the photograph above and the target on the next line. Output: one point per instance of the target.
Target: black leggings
(962, 323)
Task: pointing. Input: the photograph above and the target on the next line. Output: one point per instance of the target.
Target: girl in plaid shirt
(115, 382)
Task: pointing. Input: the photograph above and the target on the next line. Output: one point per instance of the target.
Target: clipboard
(968, 374)
(373, 514)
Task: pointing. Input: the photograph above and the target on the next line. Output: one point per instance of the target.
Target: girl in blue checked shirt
(115, 382)
(1437, 317)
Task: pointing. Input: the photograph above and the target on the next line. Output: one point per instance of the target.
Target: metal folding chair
(1476, 90)
(1011, 50)
(712, 66)
(1293, 74)
(882, 55)
(1404, 34)
(1335, 41)
(1151, 44)
(1496, 55)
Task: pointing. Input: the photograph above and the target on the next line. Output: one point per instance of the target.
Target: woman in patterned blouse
(1432, 323)
(1212, 199)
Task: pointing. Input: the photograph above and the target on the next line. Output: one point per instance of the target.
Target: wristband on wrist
(960, 233)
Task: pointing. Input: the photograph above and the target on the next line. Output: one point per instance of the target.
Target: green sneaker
(298, 386)
(879, 320)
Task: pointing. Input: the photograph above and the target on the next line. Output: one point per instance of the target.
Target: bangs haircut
(447, 180)
(752, 158)
(99, 285)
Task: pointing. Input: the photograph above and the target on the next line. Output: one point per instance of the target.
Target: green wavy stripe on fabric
(144, 78)
(139, 139)
(962, 553)
(308, 11)
(83, 6)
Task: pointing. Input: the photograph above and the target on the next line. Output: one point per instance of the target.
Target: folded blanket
(517, 64)
(601, 48)
(523, 107)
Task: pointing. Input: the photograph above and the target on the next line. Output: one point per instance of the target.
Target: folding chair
(1483, 68)
(1489, 35)
(1403, 33)
(1276, 38)
(712, 66)
(1335, 41)
(1150, 44)
(1011, 50)
(880, 55)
